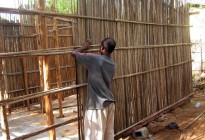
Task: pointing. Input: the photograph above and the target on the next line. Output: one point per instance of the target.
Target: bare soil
(184, 116)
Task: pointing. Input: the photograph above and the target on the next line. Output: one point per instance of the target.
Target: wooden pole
(6, 84)
(4, 121)
(48, 13)
(80, 127)
(40, 94)
(53, 5)
(47, 98)
(4, 70)
(57, 62)
(40, 58)
(58, 72)
(24, 62)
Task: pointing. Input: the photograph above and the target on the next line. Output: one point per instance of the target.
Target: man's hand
(85, 46)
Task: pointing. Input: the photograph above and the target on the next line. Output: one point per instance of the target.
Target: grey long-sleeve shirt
(101, 70)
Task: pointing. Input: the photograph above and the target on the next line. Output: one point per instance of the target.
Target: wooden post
(57, 63)
(4, 70)
(40, 58)
(53, 5)
(41, 83)
(201, 57)
(80, 95)
(6, 84)
(4, 121)
(79, 105)
(47, 98)
(24, 63)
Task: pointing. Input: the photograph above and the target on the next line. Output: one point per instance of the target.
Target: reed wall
(152, 55)
(153, 52)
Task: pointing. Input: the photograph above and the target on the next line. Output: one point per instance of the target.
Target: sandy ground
(21, 122)
(183, 116)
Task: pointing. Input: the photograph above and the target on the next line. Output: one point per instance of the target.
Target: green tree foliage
(63, 6)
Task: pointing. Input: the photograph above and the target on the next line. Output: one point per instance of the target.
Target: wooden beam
(47, 98)
(61, 28)
(34, 25)
(48, 13)
(58, 70)
(39, 94)
(68, 50)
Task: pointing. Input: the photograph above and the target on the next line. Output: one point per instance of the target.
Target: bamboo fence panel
(153, 67)
(33, 73)
(140, 96)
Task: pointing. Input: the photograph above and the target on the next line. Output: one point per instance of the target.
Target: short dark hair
(109, 44)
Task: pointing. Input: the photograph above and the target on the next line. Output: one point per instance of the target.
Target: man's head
(107, 46)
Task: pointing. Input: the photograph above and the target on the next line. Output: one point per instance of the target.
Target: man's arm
(85, 46)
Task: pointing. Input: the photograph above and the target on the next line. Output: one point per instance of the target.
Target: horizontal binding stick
(61, 28)
(19, 90)
(47, 129)
(152, 70)
(39, 94)
(36, 71)
(53, 51)
(47, 13)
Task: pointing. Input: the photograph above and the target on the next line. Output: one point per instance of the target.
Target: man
(100, 107)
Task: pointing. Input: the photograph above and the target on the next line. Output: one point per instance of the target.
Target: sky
(9, 3)
(198, 1)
